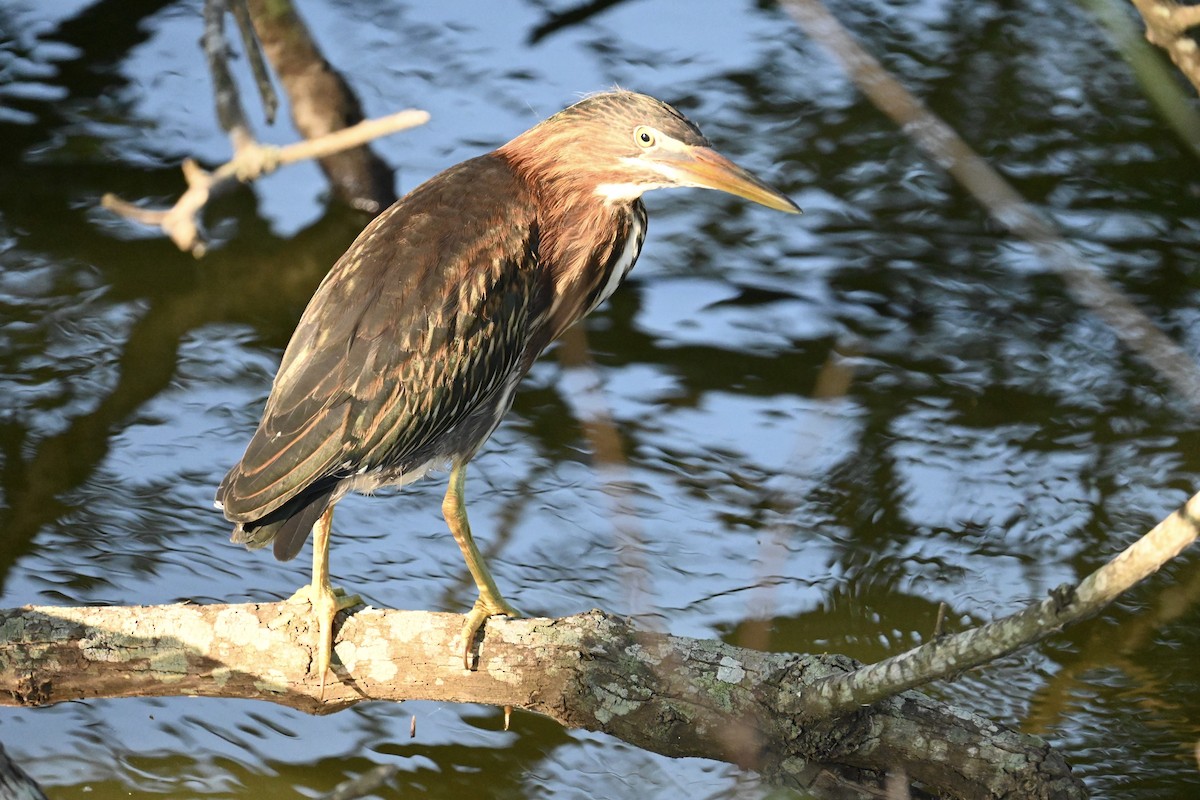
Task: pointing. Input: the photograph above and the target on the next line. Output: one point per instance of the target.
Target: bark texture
(671, 695)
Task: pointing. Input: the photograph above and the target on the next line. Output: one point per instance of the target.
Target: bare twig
(1118, 646)
(251, 161)
(353, 136)
(1086, 283)
(1066, 605)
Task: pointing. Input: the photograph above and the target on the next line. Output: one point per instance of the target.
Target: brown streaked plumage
(409, 353)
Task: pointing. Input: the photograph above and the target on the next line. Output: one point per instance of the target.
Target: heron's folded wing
(424, 318)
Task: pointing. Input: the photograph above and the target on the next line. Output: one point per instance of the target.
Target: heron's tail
(287, 526)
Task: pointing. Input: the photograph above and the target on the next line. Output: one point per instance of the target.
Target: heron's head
(618, 145)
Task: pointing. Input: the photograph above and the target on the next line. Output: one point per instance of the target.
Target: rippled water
(995, 440)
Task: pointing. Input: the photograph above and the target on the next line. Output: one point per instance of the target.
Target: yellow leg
(490, 602)
(326, 601)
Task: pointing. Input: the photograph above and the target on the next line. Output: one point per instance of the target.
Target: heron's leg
(326, 601)
(490, 602)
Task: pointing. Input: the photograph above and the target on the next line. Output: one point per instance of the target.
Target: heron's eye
(644, 136)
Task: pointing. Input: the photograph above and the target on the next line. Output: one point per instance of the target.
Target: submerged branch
(1085, 282)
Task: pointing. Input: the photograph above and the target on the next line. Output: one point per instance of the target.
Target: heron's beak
(705, 167)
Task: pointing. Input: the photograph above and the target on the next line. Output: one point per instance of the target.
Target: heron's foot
(326, 602)
(484, 607)
(303, 595)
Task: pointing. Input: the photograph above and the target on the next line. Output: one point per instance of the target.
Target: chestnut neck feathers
(584, 234)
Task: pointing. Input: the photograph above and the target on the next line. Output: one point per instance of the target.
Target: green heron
(411, 349)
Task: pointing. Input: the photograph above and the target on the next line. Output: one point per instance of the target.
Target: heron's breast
(623, 257)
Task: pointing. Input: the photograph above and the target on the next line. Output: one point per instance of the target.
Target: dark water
(994, 442)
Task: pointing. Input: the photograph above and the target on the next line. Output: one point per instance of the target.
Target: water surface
(995, 440)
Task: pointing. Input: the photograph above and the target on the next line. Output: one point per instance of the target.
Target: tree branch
(671, 695)
(328, 105)
(251, 161)
(1066, 605)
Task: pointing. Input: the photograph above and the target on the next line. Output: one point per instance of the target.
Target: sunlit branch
(1117, 647)
(952, 654)
(677, 696)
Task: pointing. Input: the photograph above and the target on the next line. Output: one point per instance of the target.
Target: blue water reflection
(993, 439)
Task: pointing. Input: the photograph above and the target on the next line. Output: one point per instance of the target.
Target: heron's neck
(588, 244)
(587, 240)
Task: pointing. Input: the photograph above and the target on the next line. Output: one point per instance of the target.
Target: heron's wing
(424, 318)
